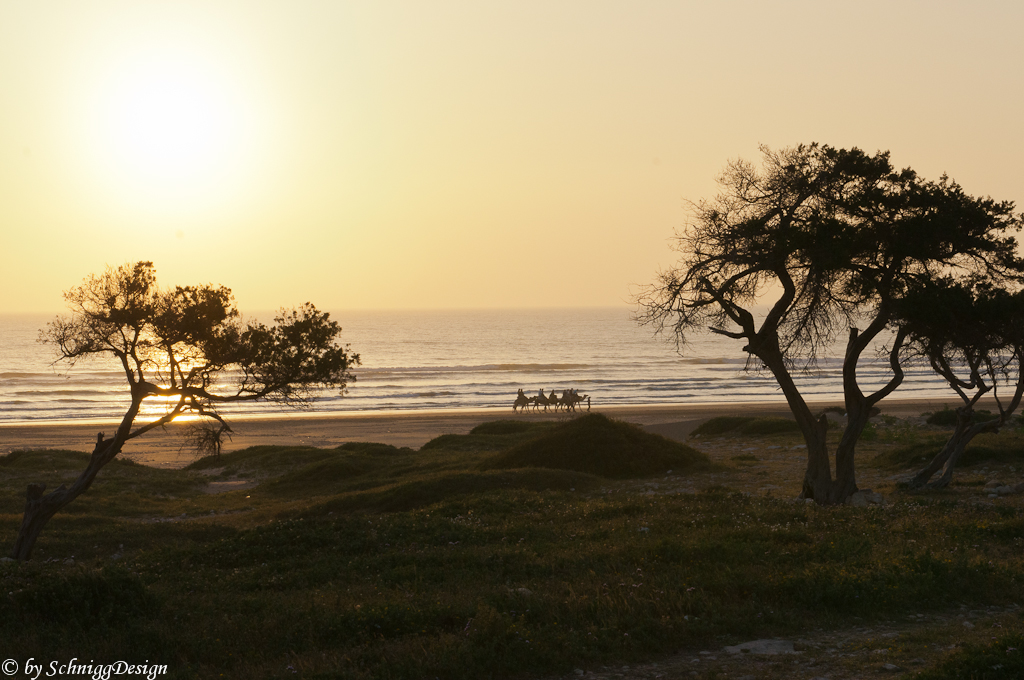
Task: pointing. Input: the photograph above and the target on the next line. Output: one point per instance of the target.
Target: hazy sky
(455, 154)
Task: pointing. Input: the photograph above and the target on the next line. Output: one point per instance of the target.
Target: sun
(168, 123)
(169, 128)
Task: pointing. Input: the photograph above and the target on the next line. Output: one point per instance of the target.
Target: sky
(433, 155)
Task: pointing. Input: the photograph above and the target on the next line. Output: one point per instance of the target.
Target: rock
(1018, 488)
(968, 625)
(578, 671)
(835, 419)
(857, 500)
(763, 647)
(890, 667)
(993, 483)
(1004, 490)
(865, 498)
(6, 559)
(526, 592)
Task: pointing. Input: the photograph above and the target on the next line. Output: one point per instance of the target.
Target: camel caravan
(568, 401)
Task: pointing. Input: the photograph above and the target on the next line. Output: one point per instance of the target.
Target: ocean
(441, 360)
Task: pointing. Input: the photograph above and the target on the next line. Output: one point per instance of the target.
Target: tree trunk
(39, 508)
(818, 483)
(818, 476)
(858, 406)
(963, 421)
(857, 413)
(949, 456)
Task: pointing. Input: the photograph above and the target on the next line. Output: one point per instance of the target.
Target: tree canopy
(187, 347)
(831, 239)
(972, 335)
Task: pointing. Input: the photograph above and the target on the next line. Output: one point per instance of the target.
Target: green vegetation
(947, 417)
(597, 445)
(1002, 659)
(368, 561)
(1006, 447)
(747, 426)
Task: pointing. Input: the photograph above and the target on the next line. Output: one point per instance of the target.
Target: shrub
(721, 425)
(947, 417)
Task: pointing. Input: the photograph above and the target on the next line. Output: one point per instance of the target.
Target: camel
(569, 401)
(522, 401)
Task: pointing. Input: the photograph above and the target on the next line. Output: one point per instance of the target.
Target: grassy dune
(518, 550)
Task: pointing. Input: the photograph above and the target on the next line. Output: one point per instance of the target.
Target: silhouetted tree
(187, 347)
(971, 334)
(834, 237)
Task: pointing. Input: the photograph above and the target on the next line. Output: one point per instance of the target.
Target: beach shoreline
(163, 448)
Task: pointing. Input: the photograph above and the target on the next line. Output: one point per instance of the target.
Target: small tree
(971, 334)
(187, 347)
(834, 237)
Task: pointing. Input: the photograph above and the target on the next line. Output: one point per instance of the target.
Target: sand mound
(746, 426)
(450, 486)
(597, 445)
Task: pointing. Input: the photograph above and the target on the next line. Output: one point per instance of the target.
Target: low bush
(947, 417)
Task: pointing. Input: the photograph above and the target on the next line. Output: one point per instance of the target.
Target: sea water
(429, 360)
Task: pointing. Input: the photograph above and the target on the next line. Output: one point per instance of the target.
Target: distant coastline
(457, 361)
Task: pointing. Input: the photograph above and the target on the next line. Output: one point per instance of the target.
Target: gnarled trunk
(947, 459)
(39, 508)
(818, 483)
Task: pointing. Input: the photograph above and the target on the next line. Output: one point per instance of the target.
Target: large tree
(187, 349)
(972, 334)
(830, 239)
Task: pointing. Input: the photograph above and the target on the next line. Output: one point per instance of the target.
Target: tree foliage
(831, 238)
(972, 334)
(188, 348)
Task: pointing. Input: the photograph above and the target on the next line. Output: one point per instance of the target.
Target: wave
(363, 373)
(425, 362)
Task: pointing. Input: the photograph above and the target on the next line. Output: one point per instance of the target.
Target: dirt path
(882, 650)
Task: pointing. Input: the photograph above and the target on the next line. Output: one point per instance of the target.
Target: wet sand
(163, 448)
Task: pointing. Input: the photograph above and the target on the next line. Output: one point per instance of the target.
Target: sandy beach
(412, 429)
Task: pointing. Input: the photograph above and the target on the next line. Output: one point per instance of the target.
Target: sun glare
(170, 131)
(168, 124)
